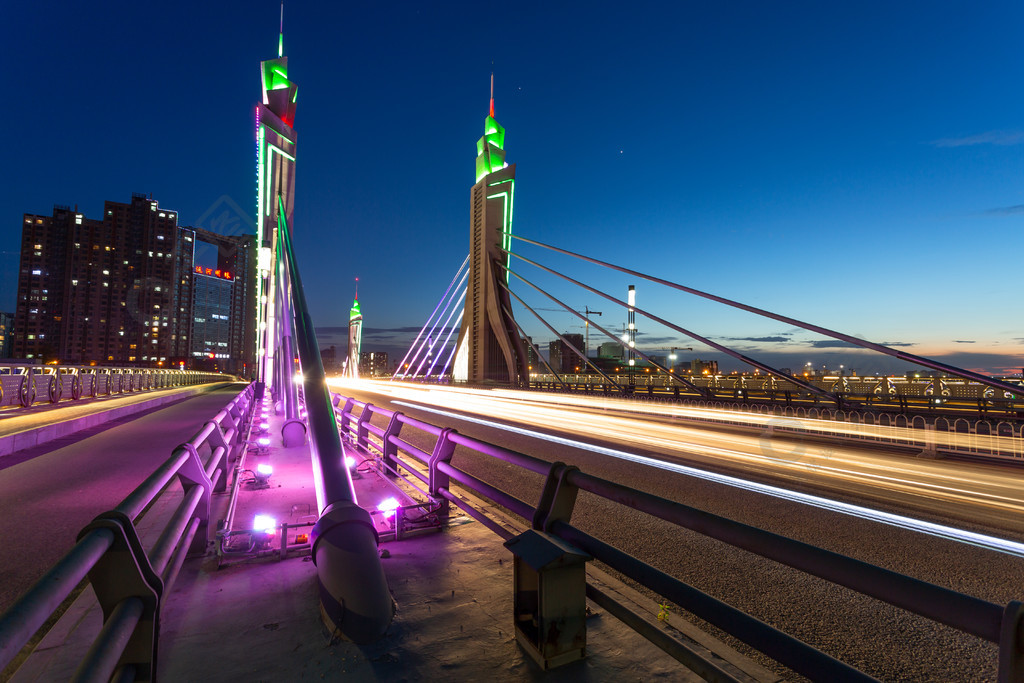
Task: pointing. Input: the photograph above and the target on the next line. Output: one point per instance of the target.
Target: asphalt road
(884, 641)
(48, 494)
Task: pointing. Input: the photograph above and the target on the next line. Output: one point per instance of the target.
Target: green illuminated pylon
(490, 149)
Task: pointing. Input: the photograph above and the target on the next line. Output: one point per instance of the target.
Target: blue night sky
(855, 165)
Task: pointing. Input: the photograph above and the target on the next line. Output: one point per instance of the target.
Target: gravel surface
(884, 641)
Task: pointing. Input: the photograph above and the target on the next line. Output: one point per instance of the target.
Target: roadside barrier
(435, 473)
(129, 580)
(23, 384)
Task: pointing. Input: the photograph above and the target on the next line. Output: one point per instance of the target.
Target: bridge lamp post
(631, 319)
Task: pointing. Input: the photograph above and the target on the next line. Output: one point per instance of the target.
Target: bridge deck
(259, 618)
(25, 428)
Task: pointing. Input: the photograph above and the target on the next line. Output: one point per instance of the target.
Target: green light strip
(506, 218)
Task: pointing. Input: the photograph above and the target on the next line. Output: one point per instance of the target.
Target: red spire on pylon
(492, 94)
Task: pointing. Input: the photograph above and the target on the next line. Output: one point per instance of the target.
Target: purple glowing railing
(1000, 624)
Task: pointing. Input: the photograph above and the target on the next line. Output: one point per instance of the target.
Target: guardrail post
(361, 431)
(125, 573)
(217, 440)
(443, 451)
(192, 473)
(390, 450)
(557, 499)
(27, 390)
(1011, 643)
(343, 422)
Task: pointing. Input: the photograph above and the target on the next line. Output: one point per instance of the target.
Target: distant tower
(490, 348)
(355, 336)
(275, 186)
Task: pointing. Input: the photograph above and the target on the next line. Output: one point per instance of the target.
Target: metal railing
(129, 580)
(26, 384)
(435, 472)
(975, 401)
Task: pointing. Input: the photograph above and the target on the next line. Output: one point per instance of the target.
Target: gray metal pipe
(353, 589)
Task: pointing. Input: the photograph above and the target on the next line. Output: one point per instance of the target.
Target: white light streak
(939, 530)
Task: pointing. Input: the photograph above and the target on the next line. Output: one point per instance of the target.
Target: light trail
(921, 526)
(942, 482)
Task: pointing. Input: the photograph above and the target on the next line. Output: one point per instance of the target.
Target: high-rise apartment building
(562, 357)
(115, 291)
(223, 298)
(6, 323)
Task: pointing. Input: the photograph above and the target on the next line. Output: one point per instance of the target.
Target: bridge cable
(451, 354)
(454, 308)
(901, 355)
(611, 335)
(431, 317)
(446, 299)
(430, 335)
(451, 330)
(564, 340)
(704, 340)
(536, 350)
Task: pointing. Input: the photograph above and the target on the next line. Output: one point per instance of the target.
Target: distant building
(122, 290)
(329, 359)
(6, 322)
(223, 297)
(561, 356)
(704, 367)
(532, 362)
(374, 364)
(610, 349)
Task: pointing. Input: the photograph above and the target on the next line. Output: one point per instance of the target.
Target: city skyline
(851, 167)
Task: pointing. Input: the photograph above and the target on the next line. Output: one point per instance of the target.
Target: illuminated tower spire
(279, 94)
(489, 347)
(280, 35)
(490, 149)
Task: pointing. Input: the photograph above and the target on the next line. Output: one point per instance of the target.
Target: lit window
(38, 246)
(37, 272)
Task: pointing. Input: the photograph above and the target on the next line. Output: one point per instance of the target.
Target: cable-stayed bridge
(808, 535)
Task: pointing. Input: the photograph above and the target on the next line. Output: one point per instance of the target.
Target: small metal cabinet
(549, 602)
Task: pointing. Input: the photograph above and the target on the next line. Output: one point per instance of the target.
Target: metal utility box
(549, 601)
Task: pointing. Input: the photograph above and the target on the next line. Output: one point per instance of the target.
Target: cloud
(648, 339)
(896, 344)
(832, 344)
(1006, 210)
(760, 339)
(963, 341)
(992, 137)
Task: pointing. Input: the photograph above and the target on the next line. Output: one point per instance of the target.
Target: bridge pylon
(490, 349)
